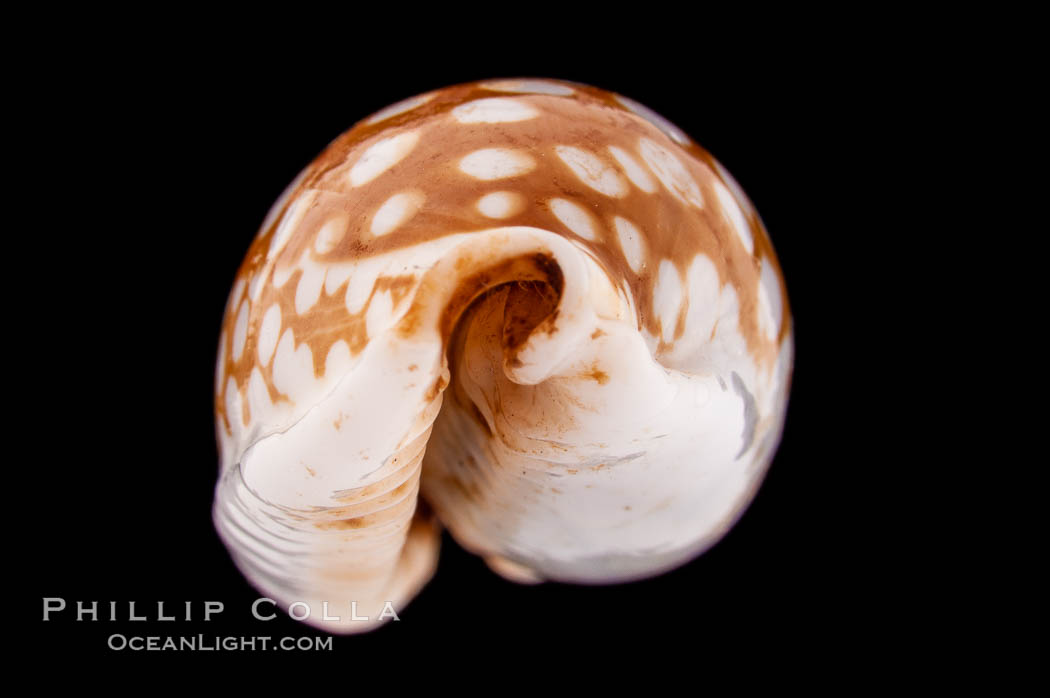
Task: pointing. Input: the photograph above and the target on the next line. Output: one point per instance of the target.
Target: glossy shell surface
(531, 311)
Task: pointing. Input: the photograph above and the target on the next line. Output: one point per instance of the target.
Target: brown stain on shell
(591, 119)
(597, 375)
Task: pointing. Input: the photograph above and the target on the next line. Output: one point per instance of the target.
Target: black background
(156, 167)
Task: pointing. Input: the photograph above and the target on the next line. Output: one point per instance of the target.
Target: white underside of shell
(591, 461)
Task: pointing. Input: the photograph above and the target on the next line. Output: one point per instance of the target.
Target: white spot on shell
(381, 156)
(590, 170)
(574, 217)
(330, 234)
(704, 289)
(735, 217)
(337, 275)
(543, 87)
(494, 110)
(380, 313)
(396, 210)
(671, 172)
(635, 172)
(769, 290)
(362, 281)
(667, 298)
(631, 242)
(500, 204)
(401, 107)
(269, 331)
(309, 289)
(259, 404)
(283, 273)
(240, 331)
(338, 360)
(293, 369)
(255, 283)
(764, 315)
(673, 132)
(496, 163)
(237, 292)
(292, 216)
(233, 405)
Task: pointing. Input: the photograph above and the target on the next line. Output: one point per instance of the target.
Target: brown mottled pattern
(591, 120)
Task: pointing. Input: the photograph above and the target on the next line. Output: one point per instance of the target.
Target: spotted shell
(531, 311)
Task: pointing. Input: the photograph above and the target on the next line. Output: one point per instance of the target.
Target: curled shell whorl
(533, 311)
